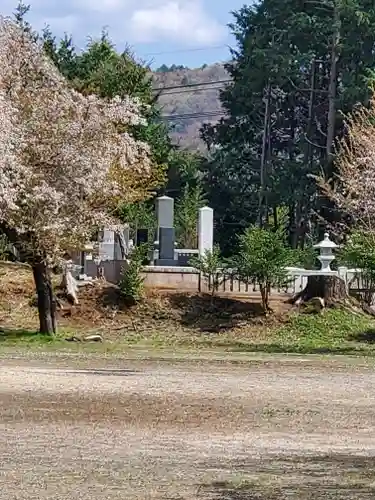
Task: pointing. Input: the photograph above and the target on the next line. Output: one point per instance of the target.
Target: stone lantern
(326, 247)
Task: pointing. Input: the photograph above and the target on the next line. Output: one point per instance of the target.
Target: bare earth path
(283, 428)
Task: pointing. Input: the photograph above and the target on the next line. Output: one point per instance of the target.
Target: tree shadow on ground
(103, 372)
(274, 348)
(367, 337)
(96, 303)
(10, 334)
(196, 311)
(110, 297)
(339, 477)
(214, 315)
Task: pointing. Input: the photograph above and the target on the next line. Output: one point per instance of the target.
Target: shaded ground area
(113, 429)
(102, 304)
(334, 476)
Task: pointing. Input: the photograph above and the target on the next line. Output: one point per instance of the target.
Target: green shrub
(359, 252)
(210, 265)
(262, 259)
(132, 281)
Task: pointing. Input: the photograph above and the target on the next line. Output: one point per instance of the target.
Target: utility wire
(191, 85)
(192, 90)
(180, 51)
(190, 116)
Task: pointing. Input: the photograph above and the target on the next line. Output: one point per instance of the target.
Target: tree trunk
(264, 292)
(332, 90)
(275, 217)
(328, 210)
(331, 289)
(46, 300)
(263, 160)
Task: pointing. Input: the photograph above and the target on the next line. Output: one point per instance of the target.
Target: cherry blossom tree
(353, 187)
(352, 190)
(65, 160)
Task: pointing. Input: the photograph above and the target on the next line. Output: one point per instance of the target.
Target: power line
(180, 51)
(192, 90)
(190, 116)
(191, 85)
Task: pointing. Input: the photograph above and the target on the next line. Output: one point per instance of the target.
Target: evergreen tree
(297, 67)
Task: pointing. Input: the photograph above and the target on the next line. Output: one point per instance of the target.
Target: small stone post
(125, 240)
(205, 230)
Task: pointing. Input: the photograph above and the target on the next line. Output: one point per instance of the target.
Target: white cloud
(177, 20)
(187, 22)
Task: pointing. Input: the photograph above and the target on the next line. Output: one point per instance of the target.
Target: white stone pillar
(107, 245)
(165, 211)
(205, 230)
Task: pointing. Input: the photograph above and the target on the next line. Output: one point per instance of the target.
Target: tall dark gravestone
(142, 237)
(166, 233)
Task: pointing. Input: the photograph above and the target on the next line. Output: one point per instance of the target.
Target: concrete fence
(188, 279)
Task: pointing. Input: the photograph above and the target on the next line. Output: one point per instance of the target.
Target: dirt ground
(101, 309)
(277, 428)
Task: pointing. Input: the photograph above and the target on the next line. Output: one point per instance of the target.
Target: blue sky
(189, 32)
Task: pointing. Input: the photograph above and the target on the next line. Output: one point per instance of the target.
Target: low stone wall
(112, 269)
(187, 279)
(172, 278)
(163, 277)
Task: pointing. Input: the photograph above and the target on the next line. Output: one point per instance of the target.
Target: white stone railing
(298, 281)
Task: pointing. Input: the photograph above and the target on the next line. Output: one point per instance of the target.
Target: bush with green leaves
(262, 259)
(210, 265)
(132, 281)
(306, 257)
(139, 215)
(359, 253)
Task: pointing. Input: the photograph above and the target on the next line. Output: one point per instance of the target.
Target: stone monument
(205, 230)
(110, 245)
(165, 232)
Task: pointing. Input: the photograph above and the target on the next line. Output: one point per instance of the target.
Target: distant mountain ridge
(193, 100)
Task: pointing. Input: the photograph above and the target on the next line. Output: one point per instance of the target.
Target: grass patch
(333, 332)
(16, 337)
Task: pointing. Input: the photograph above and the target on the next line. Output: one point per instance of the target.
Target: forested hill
(190, 99)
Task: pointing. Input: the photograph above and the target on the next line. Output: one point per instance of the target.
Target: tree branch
(306, 89)
(312, 143)
(319, 127)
